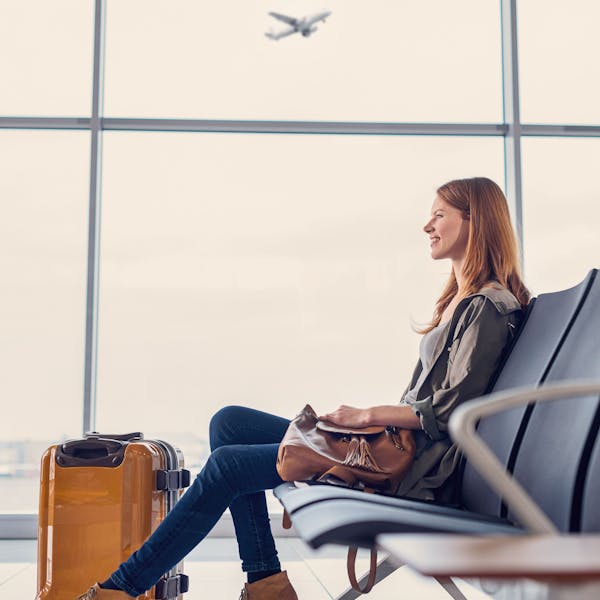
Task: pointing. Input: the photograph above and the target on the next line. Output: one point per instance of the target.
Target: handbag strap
(286, 520)
(351, 567)
(340, 473)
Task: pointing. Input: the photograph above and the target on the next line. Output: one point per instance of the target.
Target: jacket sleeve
(471, 361)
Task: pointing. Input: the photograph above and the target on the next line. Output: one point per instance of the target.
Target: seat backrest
(554, 454)
(590, 511)
(539, 342)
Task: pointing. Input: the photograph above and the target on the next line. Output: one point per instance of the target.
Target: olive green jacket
(464, 362)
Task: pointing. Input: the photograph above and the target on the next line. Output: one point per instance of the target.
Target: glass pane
(43, 232)
(561, 236)
(265, 270)
(559, 48)
(46, 49)
(394, 61)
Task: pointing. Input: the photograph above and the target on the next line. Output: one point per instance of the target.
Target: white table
(565, 566)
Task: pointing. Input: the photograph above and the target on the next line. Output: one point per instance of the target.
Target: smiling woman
(471, 226)
(448, 230)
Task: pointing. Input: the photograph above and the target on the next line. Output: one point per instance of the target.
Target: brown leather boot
(97, 593)
(275, 587)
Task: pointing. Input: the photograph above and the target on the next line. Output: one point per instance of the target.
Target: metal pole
(512, 116)
(93, 263)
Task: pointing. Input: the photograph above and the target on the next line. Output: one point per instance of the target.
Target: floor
(214, 572)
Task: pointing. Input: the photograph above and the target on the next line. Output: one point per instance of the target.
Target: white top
(426, 348)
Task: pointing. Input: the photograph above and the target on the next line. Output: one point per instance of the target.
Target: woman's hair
(491, 253)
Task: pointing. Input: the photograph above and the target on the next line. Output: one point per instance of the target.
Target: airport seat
(551, 448)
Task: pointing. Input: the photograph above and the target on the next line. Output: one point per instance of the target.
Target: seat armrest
(462, 428)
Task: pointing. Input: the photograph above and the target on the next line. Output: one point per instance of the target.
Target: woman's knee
(222, 426)
(223, 463)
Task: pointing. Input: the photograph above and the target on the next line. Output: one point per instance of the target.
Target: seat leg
(385, 567)
(451, 588)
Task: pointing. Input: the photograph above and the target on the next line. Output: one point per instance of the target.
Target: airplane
(305, 25)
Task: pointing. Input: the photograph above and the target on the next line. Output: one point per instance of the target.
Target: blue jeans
(244, 444)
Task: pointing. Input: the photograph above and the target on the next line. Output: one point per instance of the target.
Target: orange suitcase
(100, 499)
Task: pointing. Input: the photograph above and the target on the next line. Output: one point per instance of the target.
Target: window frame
(511, 130)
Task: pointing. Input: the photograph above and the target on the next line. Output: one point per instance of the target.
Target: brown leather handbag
(372, 459)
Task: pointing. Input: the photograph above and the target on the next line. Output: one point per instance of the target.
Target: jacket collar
(502, 299)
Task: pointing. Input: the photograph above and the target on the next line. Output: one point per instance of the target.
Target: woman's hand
(398, 416)
(348, 416)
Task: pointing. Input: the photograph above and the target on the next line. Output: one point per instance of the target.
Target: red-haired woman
(473, 321)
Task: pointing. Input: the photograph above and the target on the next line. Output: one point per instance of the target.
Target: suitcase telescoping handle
(91, 452)
(125, 437)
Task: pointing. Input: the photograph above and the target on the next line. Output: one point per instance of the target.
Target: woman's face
(448, 231)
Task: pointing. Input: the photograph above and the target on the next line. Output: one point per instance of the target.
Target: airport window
(261, 201)
(229, 277)
(44, 191)
(46, 50)
(561, 236)
(558, 52)
(395, 61)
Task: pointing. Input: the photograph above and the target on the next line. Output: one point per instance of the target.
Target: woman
(473, 322)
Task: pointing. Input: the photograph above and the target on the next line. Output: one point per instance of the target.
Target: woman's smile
(448, 231)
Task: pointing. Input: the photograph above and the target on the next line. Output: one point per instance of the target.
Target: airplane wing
(289, 20)
(278, 36)
(316, 18)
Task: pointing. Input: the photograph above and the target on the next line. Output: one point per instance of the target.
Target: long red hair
(491, 253)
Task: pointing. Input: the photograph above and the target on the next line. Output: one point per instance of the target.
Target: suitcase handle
(171, 587)
(172, 480)
(125, 437)
(96, 452)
